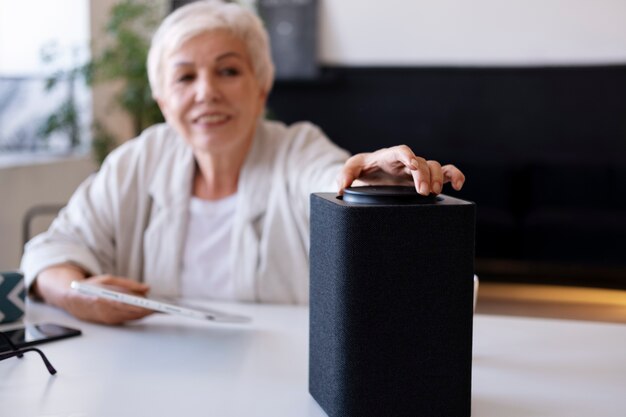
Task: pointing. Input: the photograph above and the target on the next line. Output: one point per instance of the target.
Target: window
(30, 30)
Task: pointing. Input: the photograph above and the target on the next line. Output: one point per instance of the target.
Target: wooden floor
(575, 303)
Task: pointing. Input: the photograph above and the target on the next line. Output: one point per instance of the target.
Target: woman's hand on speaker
(398, 165)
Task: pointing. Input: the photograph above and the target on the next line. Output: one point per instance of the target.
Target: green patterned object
(12, 295)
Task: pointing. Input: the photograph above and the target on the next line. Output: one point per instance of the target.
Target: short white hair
(204, 16)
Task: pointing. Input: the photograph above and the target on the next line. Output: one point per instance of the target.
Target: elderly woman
(214, 203)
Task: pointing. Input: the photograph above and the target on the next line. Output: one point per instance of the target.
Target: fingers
(436, 176)
(105, 311)
(351, 171)
(404, 154)
(399, 166)
(98, 310)
(121, 284)
(454, 176)
(422, 176)
(427, 176)
(113, 312)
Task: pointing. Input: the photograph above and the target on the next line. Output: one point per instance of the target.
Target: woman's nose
(207, 89)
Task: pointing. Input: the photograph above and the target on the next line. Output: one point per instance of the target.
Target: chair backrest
(37, 212)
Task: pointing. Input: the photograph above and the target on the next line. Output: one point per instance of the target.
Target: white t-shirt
(206, 258)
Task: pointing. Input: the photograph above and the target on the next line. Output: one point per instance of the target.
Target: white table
(169, 366)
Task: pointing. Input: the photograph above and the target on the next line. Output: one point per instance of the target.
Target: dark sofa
(544, 150)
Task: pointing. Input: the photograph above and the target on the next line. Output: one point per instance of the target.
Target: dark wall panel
(517, 114)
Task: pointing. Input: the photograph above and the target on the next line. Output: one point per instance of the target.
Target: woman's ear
(262, 108)
(263, 98)
(263, 95)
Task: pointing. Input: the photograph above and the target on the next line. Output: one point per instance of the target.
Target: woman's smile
(211, 120)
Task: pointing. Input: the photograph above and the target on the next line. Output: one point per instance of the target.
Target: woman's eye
(229, 72)
(184, 78)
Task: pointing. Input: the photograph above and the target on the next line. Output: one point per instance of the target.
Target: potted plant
(123, 59)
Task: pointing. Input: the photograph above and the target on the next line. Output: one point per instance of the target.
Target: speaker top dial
(386, 194)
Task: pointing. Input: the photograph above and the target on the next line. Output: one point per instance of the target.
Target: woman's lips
(215, 119)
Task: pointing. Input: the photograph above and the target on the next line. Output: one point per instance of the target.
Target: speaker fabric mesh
(391, 307)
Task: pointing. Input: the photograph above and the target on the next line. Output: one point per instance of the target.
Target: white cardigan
(129, 218)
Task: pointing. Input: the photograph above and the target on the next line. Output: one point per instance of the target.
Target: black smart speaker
(391, 303)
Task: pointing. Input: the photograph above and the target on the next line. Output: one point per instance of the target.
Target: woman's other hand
(53, 285)
(398, 165)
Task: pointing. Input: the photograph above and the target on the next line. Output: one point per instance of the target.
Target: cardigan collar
(170, 191)
(177, 173)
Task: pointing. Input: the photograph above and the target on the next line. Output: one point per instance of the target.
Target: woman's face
(210, 93)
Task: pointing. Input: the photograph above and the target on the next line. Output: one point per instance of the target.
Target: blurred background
(528, 98)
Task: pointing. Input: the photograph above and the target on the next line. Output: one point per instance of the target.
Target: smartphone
(33, 334)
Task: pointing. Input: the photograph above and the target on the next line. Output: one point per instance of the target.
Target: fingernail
(458, 185)
(424, 188)
(437, 187)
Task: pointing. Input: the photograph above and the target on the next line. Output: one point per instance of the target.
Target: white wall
(26, 27)
(23, 186)
(476, 32)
